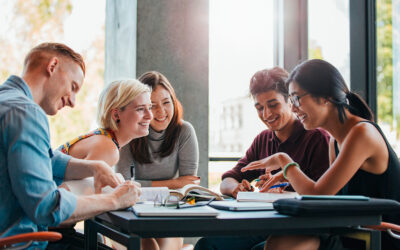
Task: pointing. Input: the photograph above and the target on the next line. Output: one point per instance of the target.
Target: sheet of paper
(158, 194)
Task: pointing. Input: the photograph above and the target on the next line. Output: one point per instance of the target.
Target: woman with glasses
(362, 161)
(169, 155)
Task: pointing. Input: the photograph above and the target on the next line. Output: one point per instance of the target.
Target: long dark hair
(140, 146)
(322, 79)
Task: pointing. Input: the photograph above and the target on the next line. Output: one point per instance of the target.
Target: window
(388, 79)
(328, 33)
(241, 43)
(25, 24)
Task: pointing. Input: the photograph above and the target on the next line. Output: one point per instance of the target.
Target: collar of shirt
(18, 83)
(298, 131)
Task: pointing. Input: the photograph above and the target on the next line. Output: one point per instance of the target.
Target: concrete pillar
(120, 42)
(172, 38)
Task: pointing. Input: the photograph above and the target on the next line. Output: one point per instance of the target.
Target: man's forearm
(89, 206)
(228, 185)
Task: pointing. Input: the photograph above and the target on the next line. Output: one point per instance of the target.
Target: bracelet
(287, 166)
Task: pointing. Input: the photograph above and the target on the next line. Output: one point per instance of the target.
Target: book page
(265, 197)
(158, 194)
(202, 192)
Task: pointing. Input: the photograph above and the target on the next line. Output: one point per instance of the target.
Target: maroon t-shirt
(309, 148)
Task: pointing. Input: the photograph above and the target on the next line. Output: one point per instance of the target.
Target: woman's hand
(273, 180)
(263, 179)
(187, 179)
(270, 163)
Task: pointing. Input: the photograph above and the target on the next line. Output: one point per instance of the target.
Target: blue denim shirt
(29, 172)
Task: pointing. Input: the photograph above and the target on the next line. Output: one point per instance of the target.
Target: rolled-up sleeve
(59, 162)
(31, 168)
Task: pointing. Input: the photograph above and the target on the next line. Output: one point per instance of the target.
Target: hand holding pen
(267, 178)
(243, 186)
(262, 179)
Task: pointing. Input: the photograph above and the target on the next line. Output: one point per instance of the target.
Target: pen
(285, 184)
(132, 172)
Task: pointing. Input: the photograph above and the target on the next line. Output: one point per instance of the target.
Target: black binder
(297, 207)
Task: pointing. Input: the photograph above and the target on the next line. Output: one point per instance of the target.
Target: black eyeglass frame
(179, 204)
(295, 99)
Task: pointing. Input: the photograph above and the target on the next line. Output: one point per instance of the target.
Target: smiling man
(29, 170)
(285, 133)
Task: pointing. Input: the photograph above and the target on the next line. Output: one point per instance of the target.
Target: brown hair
(269, 79)
(43, 50)
(139, 146)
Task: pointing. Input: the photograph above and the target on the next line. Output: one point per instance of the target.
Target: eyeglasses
(295, 99)
(174, 202)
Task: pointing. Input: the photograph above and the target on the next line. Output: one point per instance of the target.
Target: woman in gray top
(169, 155)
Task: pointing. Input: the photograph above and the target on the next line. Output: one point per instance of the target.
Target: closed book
(264, 197)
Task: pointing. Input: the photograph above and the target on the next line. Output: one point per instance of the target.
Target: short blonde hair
(117, 95)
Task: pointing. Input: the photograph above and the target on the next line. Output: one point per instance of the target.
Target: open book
(195, 191)
(264, 197)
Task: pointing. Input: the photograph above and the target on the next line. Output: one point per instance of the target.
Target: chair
(6, 242)
(389, 227)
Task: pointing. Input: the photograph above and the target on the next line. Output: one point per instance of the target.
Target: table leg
(92, 227)
(90, 235)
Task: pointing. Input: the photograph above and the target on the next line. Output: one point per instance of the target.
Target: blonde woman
(124, 113)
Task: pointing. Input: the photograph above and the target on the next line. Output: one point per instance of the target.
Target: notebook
(234, 205)
(150, 210)
(265, 197)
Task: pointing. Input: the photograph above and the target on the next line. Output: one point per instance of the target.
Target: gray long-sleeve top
(184, 160)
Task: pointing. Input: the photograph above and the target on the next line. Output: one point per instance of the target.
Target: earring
(118, 120)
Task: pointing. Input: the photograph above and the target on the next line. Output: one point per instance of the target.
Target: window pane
(25, 24)
(388, 80)
(241, 43)
(328, 33)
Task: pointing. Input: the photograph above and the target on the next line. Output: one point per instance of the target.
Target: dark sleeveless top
(385, 185)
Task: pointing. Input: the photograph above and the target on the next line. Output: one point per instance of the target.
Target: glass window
(328, 33)
(25, 24)
(241, 43)
(388, 80)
